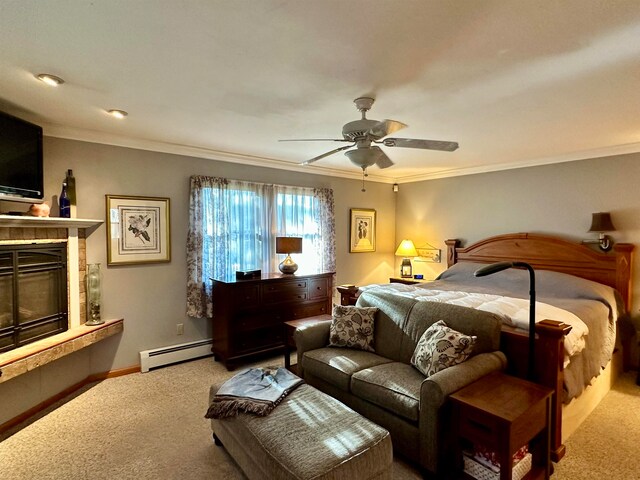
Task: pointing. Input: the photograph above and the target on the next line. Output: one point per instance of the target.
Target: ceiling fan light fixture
(363, 157)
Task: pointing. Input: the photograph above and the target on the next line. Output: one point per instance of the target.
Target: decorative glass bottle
(93, 294)
(65, 205)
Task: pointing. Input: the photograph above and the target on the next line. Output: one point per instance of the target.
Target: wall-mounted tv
(21, 173)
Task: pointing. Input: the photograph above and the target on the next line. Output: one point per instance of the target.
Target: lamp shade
(406, 249)
(288, 245)
(601, 222)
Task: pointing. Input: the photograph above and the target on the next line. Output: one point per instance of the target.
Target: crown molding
(569, 157)
(93, 136)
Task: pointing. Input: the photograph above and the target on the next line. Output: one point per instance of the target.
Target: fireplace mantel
(24, 221)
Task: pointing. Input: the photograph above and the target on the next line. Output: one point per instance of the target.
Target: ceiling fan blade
(382, 160)
(319, 157)
(425, 144)
(315, 140)
(386, 127)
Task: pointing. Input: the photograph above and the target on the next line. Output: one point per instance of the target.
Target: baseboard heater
(160, 357)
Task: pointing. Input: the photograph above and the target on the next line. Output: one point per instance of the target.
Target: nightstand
(348, 294)
(407, 281)
(502, 413)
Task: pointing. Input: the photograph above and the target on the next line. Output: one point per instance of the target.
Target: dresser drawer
(246, 322)
(261, 339)
(295, 291)
(318, 288)
(309, 310)
(246, 296)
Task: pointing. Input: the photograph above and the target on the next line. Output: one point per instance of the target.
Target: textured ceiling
(515, 83)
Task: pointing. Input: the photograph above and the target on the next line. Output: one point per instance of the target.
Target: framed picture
(362, 230)
(429, 254)
(138, 230)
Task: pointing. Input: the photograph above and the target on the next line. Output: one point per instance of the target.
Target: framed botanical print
(138, 230)
(362, 236)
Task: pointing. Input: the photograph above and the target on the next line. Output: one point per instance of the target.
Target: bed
(571, 278)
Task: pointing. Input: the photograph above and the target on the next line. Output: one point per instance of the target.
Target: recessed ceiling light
(49, 79)
(117, 113)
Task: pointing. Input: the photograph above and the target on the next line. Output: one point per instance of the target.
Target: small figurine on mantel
(39, 210)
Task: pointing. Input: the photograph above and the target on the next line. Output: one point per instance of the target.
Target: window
(233, 226)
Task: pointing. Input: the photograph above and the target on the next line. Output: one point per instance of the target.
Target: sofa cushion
(352, 327)
(441, 347)
(394, 386)
(336, 365)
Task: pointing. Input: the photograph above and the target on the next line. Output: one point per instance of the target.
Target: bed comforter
(592, 309)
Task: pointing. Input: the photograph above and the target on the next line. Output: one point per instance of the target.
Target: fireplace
(33, 292)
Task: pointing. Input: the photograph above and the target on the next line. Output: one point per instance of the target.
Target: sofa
(386, 388)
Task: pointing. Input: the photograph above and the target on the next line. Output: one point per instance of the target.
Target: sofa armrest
(435, 389)
(309, 338)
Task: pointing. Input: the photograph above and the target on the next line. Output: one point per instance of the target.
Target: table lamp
(406, 249)
(288, 245)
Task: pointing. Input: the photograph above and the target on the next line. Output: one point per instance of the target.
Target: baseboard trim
(95, 377)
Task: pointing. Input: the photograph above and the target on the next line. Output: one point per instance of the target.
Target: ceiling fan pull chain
(363, 175)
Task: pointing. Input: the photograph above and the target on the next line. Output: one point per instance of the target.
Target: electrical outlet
(180, 328)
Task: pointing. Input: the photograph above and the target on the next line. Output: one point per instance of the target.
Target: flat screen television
(21, 172)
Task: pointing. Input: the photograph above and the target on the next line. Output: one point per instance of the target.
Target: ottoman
(310, 435)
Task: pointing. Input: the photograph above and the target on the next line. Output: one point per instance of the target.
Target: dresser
(249, 315)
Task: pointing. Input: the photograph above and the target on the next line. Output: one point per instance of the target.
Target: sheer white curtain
(233, 226)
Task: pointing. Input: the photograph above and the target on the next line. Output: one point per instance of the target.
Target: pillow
(352, 327)
(441, 347)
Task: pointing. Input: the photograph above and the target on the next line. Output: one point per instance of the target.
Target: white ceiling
(515, 83)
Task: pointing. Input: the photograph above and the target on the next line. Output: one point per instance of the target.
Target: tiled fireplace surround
(29, 230)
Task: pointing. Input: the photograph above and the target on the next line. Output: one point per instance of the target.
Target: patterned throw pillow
(352, 327)
(441, 347)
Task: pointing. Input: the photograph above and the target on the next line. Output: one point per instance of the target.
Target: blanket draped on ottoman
(255, 390)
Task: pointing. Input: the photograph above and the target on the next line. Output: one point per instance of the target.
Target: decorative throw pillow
(352, 327)
(441, 347)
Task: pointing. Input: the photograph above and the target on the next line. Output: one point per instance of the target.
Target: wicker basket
(480, 472)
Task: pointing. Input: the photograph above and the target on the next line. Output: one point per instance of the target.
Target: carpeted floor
(152, 426)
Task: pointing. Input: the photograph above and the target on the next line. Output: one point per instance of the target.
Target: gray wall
(152, 298)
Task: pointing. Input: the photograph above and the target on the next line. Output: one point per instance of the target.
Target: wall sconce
(601, 222)
(406, 249)
(288, 245)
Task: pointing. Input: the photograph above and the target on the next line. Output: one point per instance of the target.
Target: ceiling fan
(364, 133)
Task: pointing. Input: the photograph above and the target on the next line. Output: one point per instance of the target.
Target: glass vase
(94, 296)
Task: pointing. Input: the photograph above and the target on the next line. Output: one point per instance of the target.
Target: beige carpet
(151, 425)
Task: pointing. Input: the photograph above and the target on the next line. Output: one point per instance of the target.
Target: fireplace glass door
(33, 293)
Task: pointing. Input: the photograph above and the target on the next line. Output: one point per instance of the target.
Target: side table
(290, 328)
(348, 294)
(408, 280)
(503, 413)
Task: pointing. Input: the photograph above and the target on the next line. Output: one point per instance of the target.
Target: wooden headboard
(552, 253)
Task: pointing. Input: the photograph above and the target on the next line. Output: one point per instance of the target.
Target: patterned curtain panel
(233, 226)
(327, 222)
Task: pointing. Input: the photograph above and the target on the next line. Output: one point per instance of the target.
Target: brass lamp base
(288, 265)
